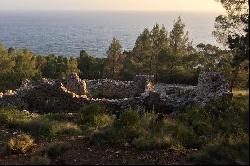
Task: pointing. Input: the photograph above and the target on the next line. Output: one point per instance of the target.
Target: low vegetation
(216, 135)
(37, 125)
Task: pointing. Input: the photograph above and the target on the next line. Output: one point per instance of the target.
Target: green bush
(128, 118)
(128, 125)
(21, 144)
(95, 115)
(123, 129)
(152, 142)
(143, 132)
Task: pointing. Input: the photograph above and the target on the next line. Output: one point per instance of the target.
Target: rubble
(72, 93)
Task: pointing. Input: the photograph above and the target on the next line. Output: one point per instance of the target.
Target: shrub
(20, 144)
(65, 129)
(95, 115)
(128, 118)
(88, 113)
(152, 142)
(123, 129)
(144, 132)
(128, 125)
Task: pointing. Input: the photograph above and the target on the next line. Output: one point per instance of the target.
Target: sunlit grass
(37, 125)
(239, 93)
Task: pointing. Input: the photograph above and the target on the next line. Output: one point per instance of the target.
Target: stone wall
(72, 93)
(212, 86)
(107, 88)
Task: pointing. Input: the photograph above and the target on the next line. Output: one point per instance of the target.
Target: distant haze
(112, 5)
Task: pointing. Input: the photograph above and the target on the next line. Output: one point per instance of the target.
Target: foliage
(6, 61)
(37, 125)
(143, 132)
(194, 127)
(115, 57)
(220, 133)
(95, 115)
(232, 30)
(90, 67)
(179, 42)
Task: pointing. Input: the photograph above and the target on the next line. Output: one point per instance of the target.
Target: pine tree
(72, 66)
(179, 41)
(114, 64)
(6, 61)
(142, 53)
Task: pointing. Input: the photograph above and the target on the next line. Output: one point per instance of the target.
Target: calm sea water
(66, 33)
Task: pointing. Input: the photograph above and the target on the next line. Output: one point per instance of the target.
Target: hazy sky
(113, 5)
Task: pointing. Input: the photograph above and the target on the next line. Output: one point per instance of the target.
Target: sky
(112, 5)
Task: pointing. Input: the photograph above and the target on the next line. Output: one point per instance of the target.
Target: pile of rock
(212, 86)
(74, 84)
(107, 88)
(72, 93)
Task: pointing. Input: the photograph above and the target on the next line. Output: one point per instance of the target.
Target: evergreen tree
(72, 66)
(142, 53)
(115, 57)
(6, 61)
(90, 67)
(179, 41)
(25, 67)
(160, 42)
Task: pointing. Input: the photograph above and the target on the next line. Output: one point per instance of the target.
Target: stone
(72, 93)
(211, 86)
(74, 84)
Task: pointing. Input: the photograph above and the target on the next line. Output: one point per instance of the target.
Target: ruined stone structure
(72, 93)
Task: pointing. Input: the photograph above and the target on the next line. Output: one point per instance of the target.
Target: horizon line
(78, 10)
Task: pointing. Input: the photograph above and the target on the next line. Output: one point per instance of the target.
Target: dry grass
(240, 93)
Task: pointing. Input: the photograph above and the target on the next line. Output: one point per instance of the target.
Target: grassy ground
(218, 135)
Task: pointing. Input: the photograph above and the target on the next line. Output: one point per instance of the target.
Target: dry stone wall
(72, 93)
(107, 88)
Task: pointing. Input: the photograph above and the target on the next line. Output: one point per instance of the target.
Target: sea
(67, 32)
